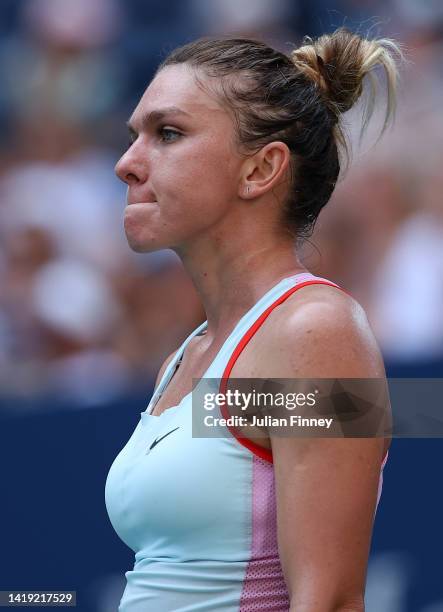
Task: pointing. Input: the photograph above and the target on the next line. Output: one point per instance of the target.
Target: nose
(128, 170)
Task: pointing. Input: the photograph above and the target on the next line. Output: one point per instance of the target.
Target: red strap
(258, 450)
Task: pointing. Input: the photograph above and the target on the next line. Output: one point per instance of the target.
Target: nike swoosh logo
(157, 440)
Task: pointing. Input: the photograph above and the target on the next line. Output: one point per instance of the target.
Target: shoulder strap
(258, 450)
(173, 365)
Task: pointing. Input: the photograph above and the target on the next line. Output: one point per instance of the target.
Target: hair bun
(337, 63)
(311, 64)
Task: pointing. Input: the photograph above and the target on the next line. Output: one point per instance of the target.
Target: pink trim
(264, 586)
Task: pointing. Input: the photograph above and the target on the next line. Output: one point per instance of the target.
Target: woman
(235, 150)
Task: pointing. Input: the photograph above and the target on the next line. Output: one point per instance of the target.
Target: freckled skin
(193, 189)
(191, 177)
(235, 248)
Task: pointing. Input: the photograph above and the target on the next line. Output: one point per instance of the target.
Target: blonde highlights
(338, 64)
(297, 98)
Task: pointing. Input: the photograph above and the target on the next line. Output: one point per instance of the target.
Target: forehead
(177, 86)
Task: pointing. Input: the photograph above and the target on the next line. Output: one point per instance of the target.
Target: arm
(326, 488)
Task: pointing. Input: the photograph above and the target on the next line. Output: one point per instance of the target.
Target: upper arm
(326, 488)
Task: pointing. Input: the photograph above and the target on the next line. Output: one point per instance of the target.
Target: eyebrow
(156, 115)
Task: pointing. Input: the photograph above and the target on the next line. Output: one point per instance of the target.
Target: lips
(145, 198)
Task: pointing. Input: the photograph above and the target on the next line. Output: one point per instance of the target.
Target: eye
(168, 134)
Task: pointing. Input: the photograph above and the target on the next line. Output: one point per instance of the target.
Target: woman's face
(182, 168)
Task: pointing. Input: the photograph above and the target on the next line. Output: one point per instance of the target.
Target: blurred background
(85, 323)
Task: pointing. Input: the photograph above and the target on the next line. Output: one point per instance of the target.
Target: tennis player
(235, 149)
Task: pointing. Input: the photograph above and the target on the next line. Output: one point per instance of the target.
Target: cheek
(201, 172)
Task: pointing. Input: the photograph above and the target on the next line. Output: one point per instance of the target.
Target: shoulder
(321, 331)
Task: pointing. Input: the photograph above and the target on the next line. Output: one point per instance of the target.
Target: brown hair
(297, 99)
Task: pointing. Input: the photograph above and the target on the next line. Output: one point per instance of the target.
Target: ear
(264, 170)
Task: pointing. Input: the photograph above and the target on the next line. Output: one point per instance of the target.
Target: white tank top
(200, 513)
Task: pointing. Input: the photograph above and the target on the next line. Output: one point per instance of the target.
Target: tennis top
(200, 513)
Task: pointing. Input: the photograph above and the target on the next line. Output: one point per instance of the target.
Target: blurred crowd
(84, 318)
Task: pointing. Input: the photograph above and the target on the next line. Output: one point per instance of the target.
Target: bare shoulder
(329, 483)
(321, 331)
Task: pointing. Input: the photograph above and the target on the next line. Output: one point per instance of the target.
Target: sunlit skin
(191, 188)
(217, 208)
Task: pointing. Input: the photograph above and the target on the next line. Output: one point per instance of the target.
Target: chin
(140, 242)
(136, 247)
(142, 246)
(144, 238)
(136, 236)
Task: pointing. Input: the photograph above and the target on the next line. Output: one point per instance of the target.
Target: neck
(231, 279)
